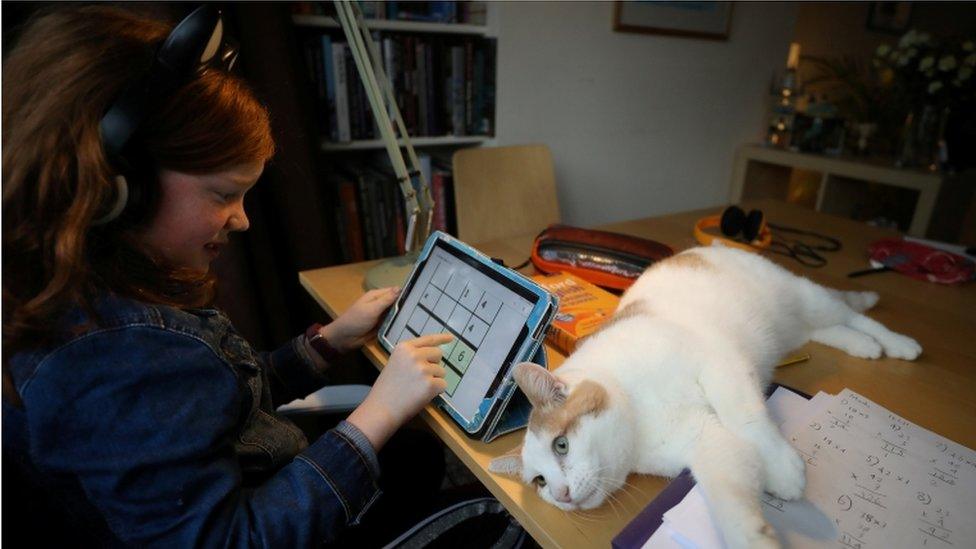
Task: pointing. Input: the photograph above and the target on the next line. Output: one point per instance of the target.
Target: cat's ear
(508, 464)
(542, 388)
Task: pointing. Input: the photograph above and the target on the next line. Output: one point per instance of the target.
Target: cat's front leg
(733, 390)
(729, 470)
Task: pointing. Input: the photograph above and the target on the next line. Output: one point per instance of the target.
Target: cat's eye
(539, 481)
(560, 445)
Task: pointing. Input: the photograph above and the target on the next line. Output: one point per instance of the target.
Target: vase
(864, 133)
(921, 137)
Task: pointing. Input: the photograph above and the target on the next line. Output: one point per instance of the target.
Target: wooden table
(937, 391)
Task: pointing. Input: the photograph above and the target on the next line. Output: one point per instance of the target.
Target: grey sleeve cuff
(362, 443)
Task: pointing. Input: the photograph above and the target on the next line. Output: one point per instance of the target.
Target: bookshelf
(365, 144)
(443, 75)
(326, 22)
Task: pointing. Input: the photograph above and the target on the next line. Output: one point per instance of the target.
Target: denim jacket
(159, 425)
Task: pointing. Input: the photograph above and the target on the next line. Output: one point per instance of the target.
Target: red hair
(67, 69)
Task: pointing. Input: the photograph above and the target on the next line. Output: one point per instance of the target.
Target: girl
(137, 403)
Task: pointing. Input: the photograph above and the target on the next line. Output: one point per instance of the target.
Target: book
(314, 62)
(343, 132)
(356, 94)
(457, 90)
(583, 307)
(390, 66)
(328, 75)
(365, 212)
(479, 120)
(350, 220)
(421, 88)
(490, 68)
(474, 12)
(430, 88)
(469, 87)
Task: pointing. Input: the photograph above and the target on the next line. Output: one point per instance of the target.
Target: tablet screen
(485, 311)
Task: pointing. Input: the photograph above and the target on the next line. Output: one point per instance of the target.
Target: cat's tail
(859, 301)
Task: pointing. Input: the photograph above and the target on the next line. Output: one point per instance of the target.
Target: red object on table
(922, 262)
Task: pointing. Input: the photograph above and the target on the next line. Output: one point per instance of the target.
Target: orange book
(583, 307)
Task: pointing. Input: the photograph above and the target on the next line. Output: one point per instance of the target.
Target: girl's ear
(508, 464)
(542, 388)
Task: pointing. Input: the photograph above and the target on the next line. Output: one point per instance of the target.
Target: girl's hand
(411, 378)
(355, 326)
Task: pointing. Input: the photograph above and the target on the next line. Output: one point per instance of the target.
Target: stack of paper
(874, 479)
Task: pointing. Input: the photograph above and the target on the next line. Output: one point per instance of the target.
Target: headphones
(733, 222)
(195, 44)
(757, 235)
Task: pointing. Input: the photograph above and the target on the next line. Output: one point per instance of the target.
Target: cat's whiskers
(625, 485)
(610, 498)
(623, 488)
(583, 515)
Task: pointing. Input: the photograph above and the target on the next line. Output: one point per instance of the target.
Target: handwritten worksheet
(874, 480)
(884, 481)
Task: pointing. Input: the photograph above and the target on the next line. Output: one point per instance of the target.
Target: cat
(675, 379)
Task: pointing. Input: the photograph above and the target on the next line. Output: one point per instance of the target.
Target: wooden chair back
(501, 192)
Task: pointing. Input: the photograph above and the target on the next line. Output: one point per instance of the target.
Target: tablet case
(507, 409)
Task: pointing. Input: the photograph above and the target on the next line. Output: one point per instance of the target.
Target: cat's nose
(562, 494)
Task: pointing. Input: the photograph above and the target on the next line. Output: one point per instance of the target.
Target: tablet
(497, 316)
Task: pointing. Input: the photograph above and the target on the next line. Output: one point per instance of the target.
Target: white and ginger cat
(675, 379)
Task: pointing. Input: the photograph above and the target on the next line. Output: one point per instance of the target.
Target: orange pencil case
(607, 259)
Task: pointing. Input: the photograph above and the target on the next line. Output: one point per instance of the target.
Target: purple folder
(643, 526)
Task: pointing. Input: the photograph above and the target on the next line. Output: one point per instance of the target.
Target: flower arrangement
(923, 71)
(906, 91)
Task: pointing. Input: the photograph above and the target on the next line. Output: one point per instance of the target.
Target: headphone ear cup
(753, 225)
(733, 219)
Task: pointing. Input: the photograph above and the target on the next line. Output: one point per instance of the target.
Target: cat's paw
(861, 301)
(785, 472)
(863, 347)
(901, 346)
(762, 536)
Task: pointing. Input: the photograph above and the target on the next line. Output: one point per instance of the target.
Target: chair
(501, 192)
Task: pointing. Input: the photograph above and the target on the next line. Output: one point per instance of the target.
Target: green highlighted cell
(452, 379)
(461, 356)
(447, 348)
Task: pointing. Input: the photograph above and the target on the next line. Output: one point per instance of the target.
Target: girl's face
(197, 213)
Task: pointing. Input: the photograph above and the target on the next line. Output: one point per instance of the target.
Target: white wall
(638, 124)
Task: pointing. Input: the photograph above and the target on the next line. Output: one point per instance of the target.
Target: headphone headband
(194, 41)
(763, 240)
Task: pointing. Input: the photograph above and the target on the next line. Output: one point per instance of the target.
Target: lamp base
(391, 272)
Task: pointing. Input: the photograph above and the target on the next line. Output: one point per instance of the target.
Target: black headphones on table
(758, 234)
(194, 45)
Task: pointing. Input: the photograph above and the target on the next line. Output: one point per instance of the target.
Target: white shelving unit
(762, 172)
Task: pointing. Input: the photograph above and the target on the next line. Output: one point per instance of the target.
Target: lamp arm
(426, 201)
(369, 67)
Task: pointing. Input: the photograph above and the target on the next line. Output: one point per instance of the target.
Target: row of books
(470, 13)
(370, 208)
(444, 85)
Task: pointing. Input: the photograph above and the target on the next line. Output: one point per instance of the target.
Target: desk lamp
(382, 101)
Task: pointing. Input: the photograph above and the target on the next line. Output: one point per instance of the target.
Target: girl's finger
(431, 340)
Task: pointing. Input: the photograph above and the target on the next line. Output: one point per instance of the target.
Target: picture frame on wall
(890, 17)
(692, 19)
